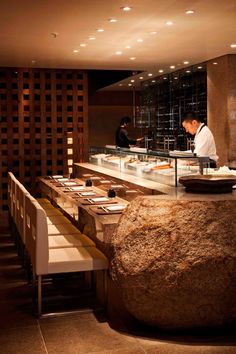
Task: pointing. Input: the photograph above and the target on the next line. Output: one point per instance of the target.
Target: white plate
(117, 186)
(115, 207)
(70, 184)
(86, 194)
(57, 176)
(100, 199)
(63, 179)
(77, 188)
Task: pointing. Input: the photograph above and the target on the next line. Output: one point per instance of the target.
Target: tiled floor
(21, 333)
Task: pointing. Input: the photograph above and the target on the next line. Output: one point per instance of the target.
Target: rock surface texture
(175, 261)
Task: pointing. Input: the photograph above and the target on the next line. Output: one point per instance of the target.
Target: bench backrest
(36, 235)
(21, 192)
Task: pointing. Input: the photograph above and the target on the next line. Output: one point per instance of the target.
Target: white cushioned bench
(48, 251)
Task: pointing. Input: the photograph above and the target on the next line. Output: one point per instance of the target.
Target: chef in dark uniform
(122, 138)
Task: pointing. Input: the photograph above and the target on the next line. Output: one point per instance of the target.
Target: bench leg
(39, 295)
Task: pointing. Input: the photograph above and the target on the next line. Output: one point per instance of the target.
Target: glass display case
(160, 166)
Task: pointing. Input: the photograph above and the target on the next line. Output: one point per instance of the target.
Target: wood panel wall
(38, 109)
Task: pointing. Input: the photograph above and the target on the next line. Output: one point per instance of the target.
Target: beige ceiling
(26, 27)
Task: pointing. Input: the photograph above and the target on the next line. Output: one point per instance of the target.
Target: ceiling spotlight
(76, 51)
(112, 20)
(83, 45)
(129, 84)
(199, 67)
(233, 45)
(54, 34)
(176, 78)
(92, 38)
(126, 8)
(172, 67)
(215, 63)
(153, 32)
(120, 85)
(160, 71)
(132, 58)
(100, 30)
(140, 40)
(186, 62)
(141, 77)
(33, 61)
(118, 52)
(169, 23)
(188, 71)
(128, 47)
(132, 80)
(153, 80)
(150, 74)
(189, 12)
(164, 78)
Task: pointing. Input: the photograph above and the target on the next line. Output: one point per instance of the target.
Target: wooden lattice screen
(38, 108)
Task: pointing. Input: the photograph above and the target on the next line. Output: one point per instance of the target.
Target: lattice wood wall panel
(38, 107)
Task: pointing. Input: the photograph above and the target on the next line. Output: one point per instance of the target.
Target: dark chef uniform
(122, 139)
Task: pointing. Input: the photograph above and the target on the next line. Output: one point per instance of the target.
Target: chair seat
(63, 241)
(57, 219)
(42, 201)
(62, 229)
(76, 259)
(53, 212)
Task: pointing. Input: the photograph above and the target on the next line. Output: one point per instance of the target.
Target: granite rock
(175, 261)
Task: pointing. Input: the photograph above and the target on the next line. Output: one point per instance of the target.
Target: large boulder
(175, 261)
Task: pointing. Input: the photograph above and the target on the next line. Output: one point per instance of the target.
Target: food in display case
(159, 166)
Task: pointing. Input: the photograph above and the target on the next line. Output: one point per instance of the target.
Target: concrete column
(221, 93)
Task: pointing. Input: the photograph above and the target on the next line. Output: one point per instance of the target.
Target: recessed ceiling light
(169, 23)
(128, 47)
(164, 78)
(172, 67)
(140, 40)
(161, 71)
(132, 58)
(233, 45)
(153, 32)
(189, 12)
(150, 74)
(176, 78)
(188, 71)
(54, 34)
(186, 62)
(76, 51)
(33, 61)
(153, 80)
(199, 67)
(129, 84)
(83, 45)
(100, 30)
(132, 80)
(118, 52)
(141, 77)
(112, 20)
(92, 38)
(120, 85)
(126, 8)
(215, 63)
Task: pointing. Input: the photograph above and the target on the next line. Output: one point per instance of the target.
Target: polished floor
(21, 333)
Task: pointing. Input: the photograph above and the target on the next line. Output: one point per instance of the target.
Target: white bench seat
(62, 229)
(53, 212)
(65, 241)
(57, 219)
(76, 259)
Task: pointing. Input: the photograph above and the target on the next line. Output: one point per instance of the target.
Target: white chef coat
(204, 143)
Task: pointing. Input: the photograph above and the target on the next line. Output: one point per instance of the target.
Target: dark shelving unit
(164, 102)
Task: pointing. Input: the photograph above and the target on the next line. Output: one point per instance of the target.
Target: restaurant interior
(107, 248)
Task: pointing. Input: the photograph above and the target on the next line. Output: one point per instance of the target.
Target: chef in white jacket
(204, 140)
